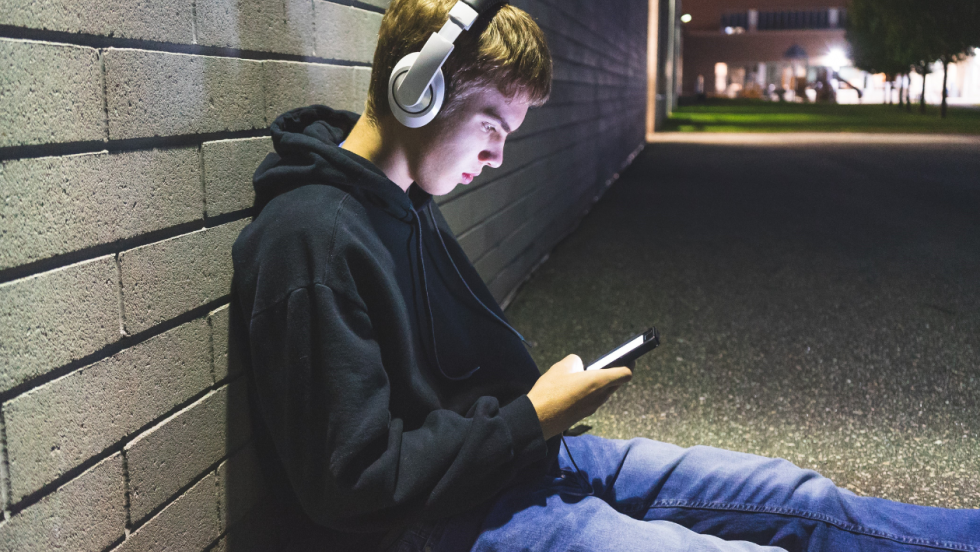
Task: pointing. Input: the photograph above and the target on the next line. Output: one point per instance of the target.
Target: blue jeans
(648, 495)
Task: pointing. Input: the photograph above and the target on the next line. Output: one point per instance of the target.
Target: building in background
(792, 50)
(756, 48)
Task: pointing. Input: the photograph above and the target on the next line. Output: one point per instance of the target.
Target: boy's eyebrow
(492, 112)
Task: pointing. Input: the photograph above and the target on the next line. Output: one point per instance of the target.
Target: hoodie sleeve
(324, 394)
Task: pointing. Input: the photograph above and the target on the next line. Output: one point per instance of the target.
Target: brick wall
(129, 131)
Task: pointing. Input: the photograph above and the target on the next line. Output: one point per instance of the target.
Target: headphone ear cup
(425, 111)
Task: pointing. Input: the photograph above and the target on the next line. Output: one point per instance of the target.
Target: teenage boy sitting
(394, 406)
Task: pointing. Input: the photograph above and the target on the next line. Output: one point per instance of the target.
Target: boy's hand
(566, 393)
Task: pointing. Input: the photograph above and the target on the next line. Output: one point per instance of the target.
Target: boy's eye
(488, 127)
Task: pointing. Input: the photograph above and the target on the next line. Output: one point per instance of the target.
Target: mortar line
(112, 546)
(204, 186)
(122, 304)
(214, 372)
(127, 500)
(312, 23)
(194, 21)
(105, 93)
(7, 489)
(220, 492)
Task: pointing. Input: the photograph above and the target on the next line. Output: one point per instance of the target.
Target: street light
(837, 59)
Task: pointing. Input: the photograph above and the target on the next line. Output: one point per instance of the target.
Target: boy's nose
(492, 157)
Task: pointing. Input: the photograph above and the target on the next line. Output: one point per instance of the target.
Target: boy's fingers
(573, 363)
(615, 376)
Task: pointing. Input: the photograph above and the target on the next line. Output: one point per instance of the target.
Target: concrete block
(86, 514)
(188, 524)
(262, 25)
(164, 94)
(362, 85)
(165, 279)
(56, 317)
(225, 362)
(56, 205)
(50, 93)
(228, 169)
(241, 487)
(290, 84)
(171, 21)
(345, 33)
(54, 427)
(177, 450)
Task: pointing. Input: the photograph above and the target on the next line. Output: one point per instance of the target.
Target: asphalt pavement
(818, 299)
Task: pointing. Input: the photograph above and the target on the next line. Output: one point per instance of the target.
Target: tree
(891, 37)
(923, 69)
(868, 32)
(953, 27)
(877, 33)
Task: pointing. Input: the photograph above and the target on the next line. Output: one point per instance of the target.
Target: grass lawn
(718, 115)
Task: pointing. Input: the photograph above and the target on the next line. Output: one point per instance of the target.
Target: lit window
(721, 77)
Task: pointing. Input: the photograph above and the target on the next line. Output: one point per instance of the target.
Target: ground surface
(818, 302)
(763, 116)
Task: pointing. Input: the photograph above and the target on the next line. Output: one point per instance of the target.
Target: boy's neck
(379, 145)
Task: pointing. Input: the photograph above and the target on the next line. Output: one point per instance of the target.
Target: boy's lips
(468, 177)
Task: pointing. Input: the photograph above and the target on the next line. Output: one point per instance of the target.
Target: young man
(395, 408)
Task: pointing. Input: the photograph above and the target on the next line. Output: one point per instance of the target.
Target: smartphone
(632, 349)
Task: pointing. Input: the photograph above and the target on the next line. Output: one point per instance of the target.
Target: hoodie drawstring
(431, 316)
(458, 273)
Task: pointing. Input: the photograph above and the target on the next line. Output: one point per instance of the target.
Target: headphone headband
(481, 6)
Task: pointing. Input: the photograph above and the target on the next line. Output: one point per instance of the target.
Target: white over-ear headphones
(417, 88)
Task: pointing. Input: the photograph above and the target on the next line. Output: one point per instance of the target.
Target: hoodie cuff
(525, 430)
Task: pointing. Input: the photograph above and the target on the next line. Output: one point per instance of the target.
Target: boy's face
(454, 149)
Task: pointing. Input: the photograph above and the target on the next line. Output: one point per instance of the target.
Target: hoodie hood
(307, 143)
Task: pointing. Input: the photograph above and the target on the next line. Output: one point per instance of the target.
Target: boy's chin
(442, 188)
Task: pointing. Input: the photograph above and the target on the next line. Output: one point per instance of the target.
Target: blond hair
(504, 49)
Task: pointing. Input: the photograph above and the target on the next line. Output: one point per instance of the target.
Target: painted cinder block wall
(129, 132)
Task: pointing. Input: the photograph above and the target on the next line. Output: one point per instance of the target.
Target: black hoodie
(387, 391)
